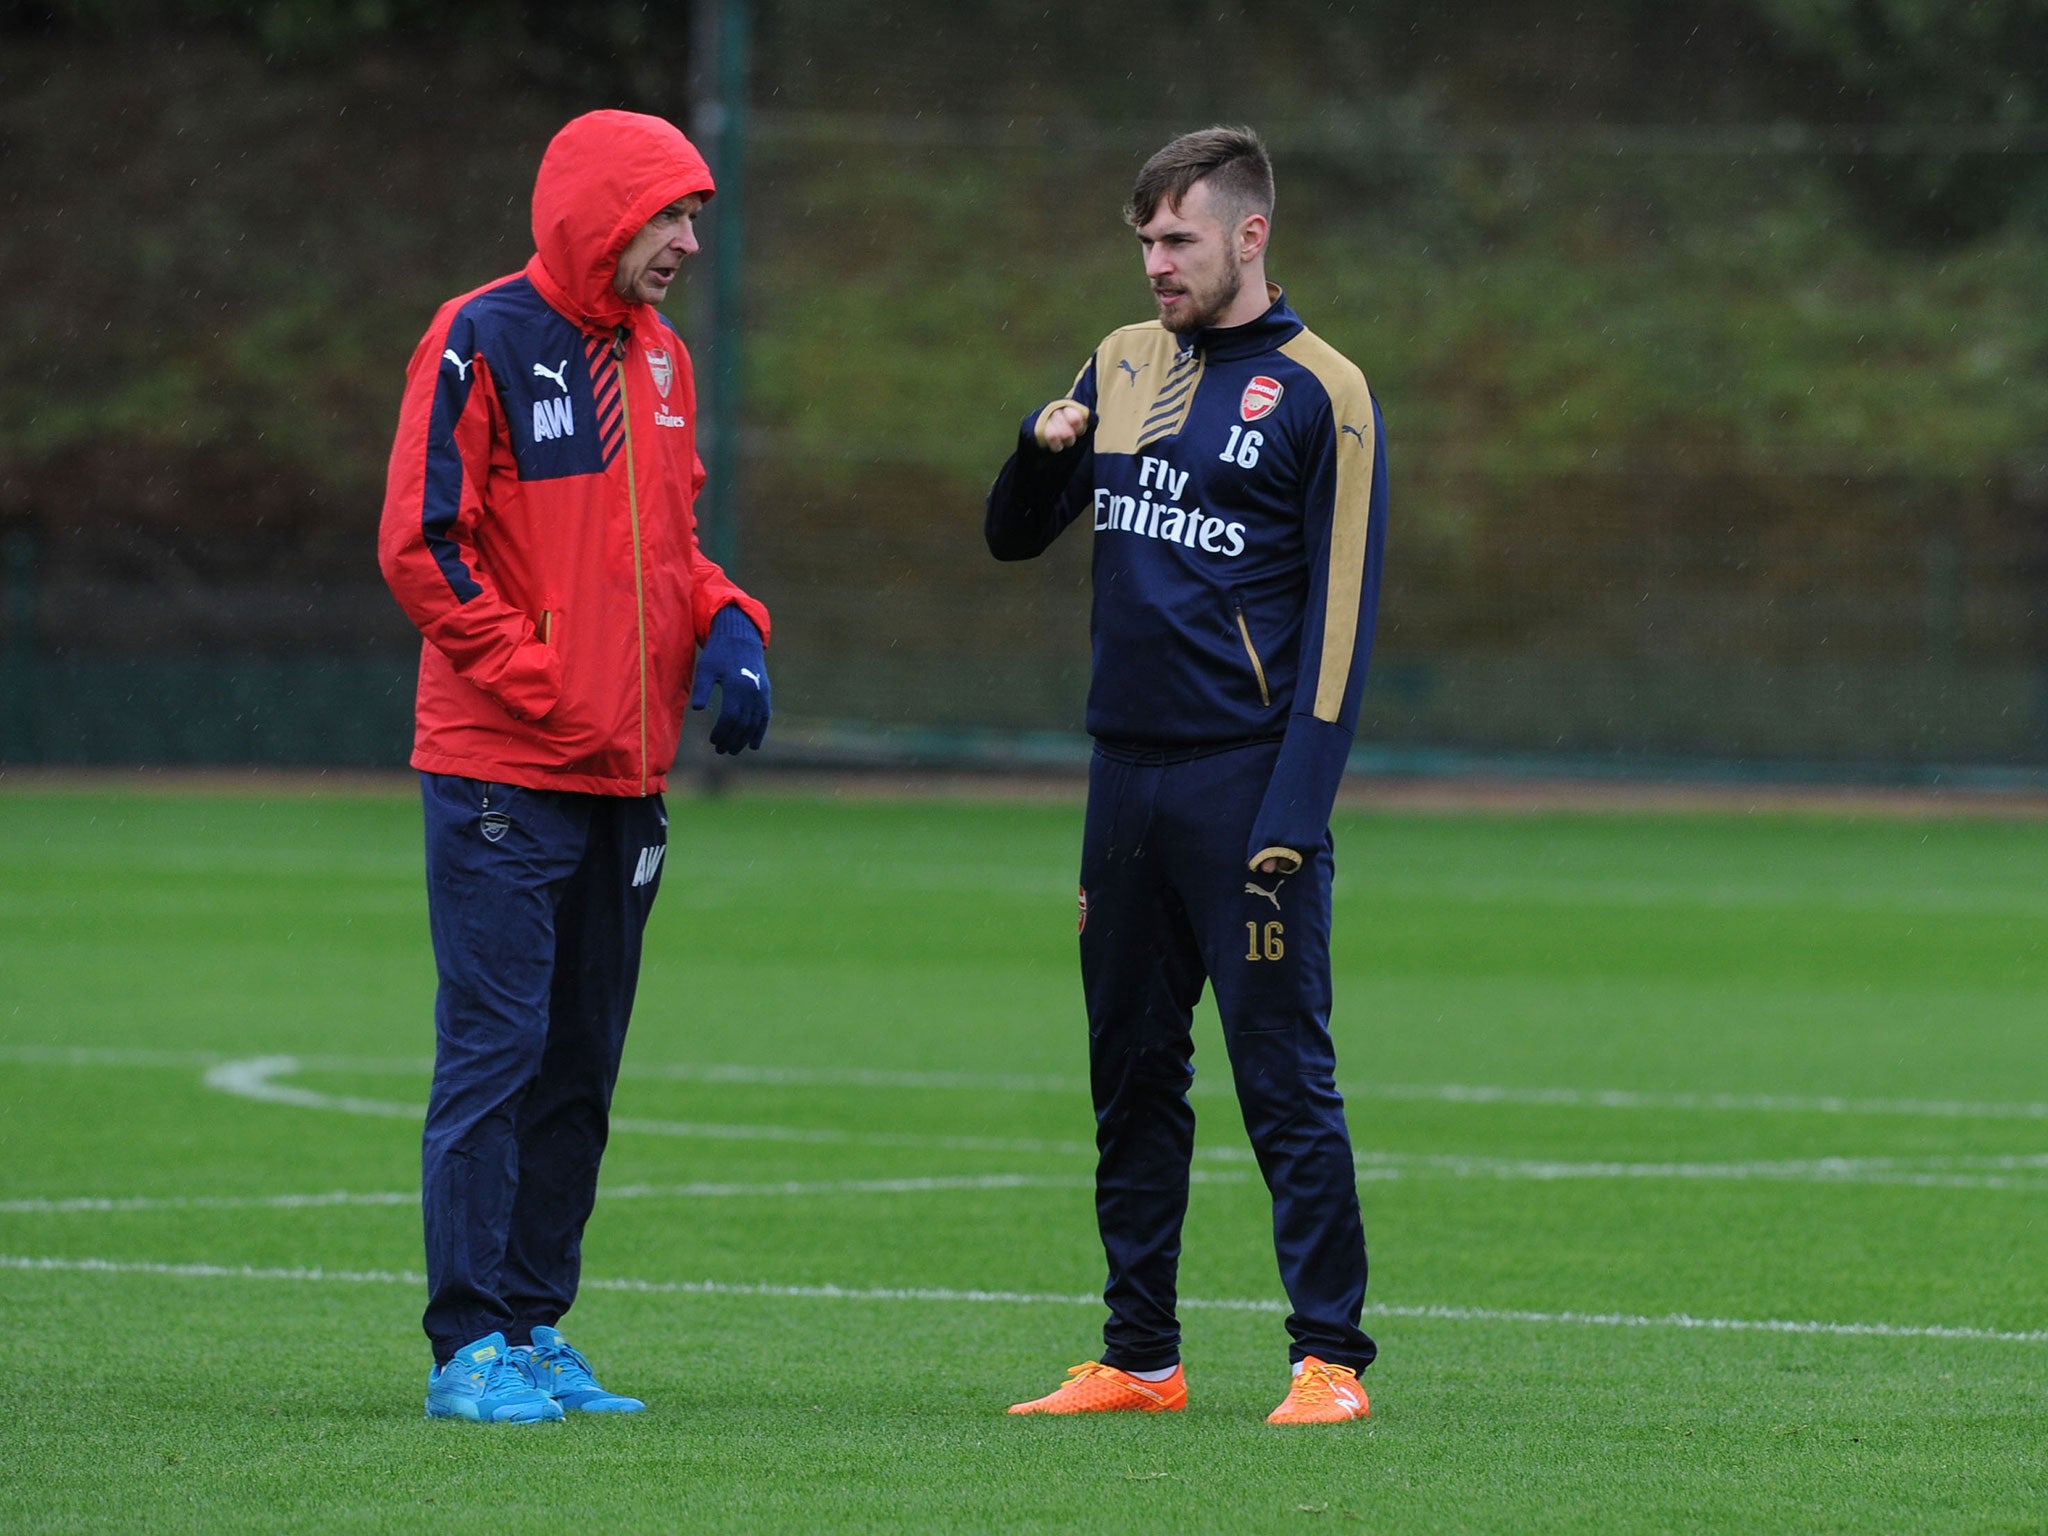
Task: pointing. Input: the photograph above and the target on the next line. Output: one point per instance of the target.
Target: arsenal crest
(664, 370)
(1260, 397)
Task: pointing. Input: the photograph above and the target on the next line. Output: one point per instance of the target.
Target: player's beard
(1196, 314)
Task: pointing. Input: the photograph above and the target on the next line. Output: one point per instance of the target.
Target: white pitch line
(1001, 1082)
(904, 1186)
(255, 1078)
(865, 1077)
(101, 1205)
(1442, 1093)
(1933, 1172)
(813, 1136)
(1374, 1166)
(1683, 1321)
(97, 1205)
(1763, 1103)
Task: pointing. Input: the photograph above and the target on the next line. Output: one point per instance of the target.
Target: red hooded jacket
(537, 522)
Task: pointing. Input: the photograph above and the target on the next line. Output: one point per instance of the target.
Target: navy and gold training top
(1236, 482)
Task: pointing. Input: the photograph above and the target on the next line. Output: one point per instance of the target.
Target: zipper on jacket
(1258, 667)
(633, 506)
(547, 627)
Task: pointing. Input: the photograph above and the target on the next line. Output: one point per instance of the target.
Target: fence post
(720, 63)
(1943, 562)
(18, 650)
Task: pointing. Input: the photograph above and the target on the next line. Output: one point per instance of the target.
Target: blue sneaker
(481, 1382)
(557, 1368)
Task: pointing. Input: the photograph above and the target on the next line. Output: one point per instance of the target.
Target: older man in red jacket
(538, 530)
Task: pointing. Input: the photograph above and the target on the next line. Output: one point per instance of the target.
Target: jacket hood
(603, 177)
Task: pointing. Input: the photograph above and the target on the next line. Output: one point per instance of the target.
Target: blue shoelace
(571, 1370)
(493, 1373)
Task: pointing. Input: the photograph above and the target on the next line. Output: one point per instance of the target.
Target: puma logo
(1252, 888)
(560, 374)
(749, 676)
(461, 368)
(1357, 432)
(1125, 364)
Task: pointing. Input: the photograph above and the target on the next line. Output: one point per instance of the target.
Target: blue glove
(732, 659)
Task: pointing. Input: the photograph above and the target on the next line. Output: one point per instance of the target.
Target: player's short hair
(1232, 160)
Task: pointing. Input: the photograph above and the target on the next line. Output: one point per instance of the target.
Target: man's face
(652, 258)
(1191, 261)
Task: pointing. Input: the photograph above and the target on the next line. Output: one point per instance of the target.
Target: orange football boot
(1092, 1387)
(1322, 1394)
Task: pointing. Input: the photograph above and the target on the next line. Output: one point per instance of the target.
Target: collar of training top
(1275, 328)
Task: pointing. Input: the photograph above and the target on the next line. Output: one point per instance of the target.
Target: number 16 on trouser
(1167, 906)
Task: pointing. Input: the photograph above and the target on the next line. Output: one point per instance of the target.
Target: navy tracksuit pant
(1168, 904)
(537, 900)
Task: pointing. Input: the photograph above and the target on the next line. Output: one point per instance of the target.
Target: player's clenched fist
(1062, 426)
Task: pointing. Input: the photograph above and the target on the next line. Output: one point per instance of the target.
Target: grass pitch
(1704, 1163)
